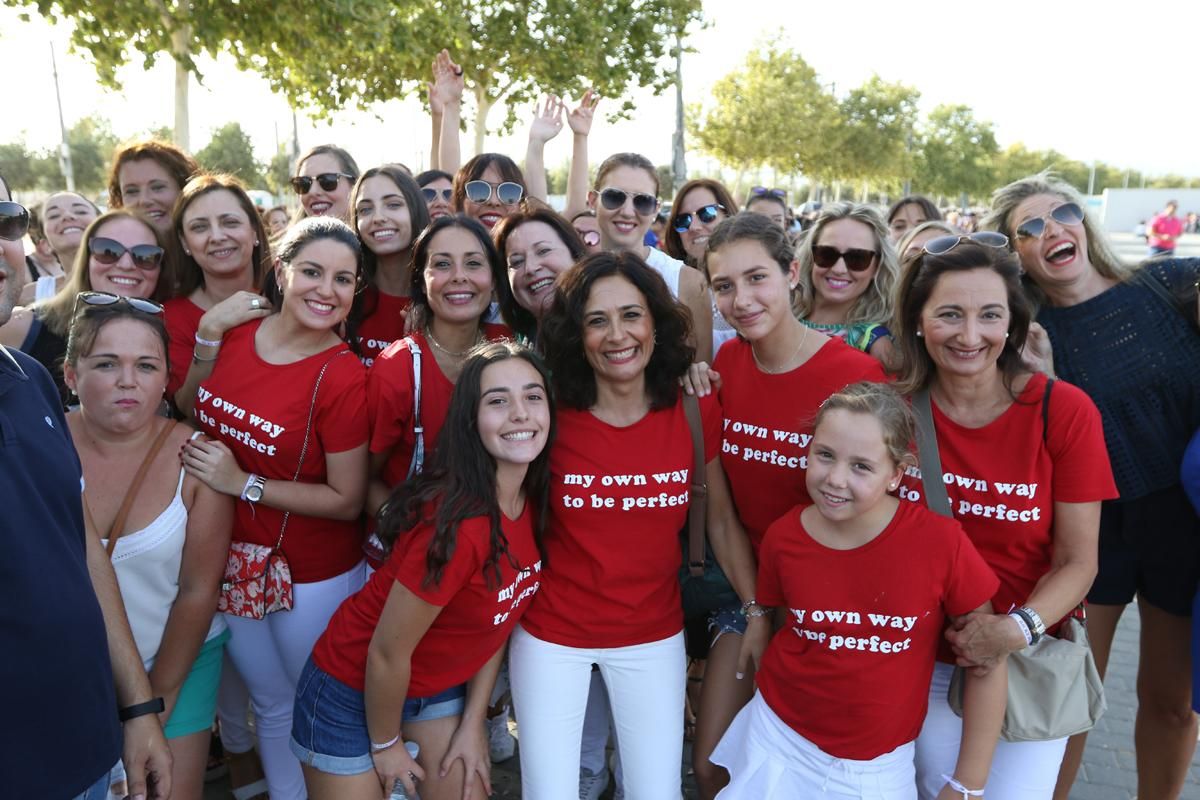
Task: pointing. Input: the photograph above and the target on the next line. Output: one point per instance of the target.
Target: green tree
(954, 153)
(19, 166)
(876, 132)
(230, 150)
(92, 144)
(279, 172)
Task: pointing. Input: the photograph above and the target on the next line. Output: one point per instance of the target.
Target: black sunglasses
(109, 251)
(14, 220)
(944, 244)
(1066, 214)
(326, 180)
(108, 299)
(431, 195)
(508, 193)
(758, 191)
(643, 204)
(857, 260)
(705, 214)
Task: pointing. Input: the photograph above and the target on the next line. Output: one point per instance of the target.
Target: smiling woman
(149, 175)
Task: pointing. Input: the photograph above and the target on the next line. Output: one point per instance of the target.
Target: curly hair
(674, 241)
(875, 304)
(562, 330)
(520, 318)
(178, 164)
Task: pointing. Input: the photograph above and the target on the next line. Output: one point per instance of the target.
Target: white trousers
(645, 682)
(269, 654)
(1020, 770)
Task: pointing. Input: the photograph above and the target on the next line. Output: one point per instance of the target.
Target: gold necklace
(780, 369)
(451, 353)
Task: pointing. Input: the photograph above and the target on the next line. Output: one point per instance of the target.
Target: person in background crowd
(276, 221)
(1165, 230)
(912, 242)
(43, 274)
(65, 216)
(149, 175)
(588, 229)
(437, 189)
(771, 203)
(324, 177)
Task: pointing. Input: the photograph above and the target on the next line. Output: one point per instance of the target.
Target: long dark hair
(418, 220)
(459, 481)
(421, 312)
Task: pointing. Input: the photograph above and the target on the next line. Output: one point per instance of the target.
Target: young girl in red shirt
(864, 586)
(413, 656)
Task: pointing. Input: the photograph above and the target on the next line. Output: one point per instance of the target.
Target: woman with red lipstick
(538, 245)
(324, 178)
(848, 274)
(149, 175)
(488, 188)
(1025, 469)
(285, 406)
(1129, 341)
(169, 549)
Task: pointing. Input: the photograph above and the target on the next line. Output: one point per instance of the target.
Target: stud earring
(920, 334)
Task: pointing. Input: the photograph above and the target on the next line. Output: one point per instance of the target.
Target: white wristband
(958, 787)
(1028, 634)
(379, 748)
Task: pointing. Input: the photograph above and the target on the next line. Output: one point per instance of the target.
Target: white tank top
(147, 564)
(666, 266)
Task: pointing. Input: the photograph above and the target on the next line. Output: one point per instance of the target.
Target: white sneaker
(502, 745)
(592, 784)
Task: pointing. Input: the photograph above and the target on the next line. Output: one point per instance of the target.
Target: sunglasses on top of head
(643, 204)
(759, 191)
(14, 220)
(328, 181)
(1066, 214)
(109, 251)
(508, 193)
(431, 195)
(108, 299)
(856, 259)
(705, 214)
(944, 244)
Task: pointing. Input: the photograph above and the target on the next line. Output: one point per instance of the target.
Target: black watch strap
(155, 706)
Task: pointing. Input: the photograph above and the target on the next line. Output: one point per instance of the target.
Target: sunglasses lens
(429, 194)
(940, 245)
(1068, 214)
(645, 204)
(328, 180)
(825, 257)
(146, 256)
(510, 193)
(612, 199)
(858, 260)
(990, 239)
(145, 306)
(1031, 229)
(478, 191)
(14, 221)
(301, 184)
(708, 213)
(682, 223)
(106, 251)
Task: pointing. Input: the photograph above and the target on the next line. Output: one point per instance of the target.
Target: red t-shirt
(1004, 478)
(768, 424)
(182, 318)
(475, 620)
(260, 411)
(618, 499)
(384, 325)
(390, 400)
(850, 671)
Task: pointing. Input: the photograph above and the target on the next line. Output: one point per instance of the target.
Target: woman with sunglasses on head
(325, 176)
(617, 344)
(848, 274)
(538, 246)
(771, 203)
(169, 537)
(122, 254)
(913, 242)
(149, 175)
(1025, 470)
(388, 212)
(625, 201)
(437, 189)
(1128, 341)
(284, 400)
(907, 213)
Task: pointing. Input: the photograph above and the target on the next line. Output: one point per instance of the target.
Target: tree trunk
(482, 107)
(180, 43)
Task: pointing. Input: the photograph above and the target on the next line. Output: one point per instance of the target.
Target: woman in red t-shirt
(617, 344)
(414, 655)
(1025, 468)
(387, 210)
(284, 405)
(864, 585)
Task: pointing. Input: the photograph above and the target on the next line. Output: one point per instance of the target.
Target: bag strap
(418, 456)
(927, 454)
(698, 507)
(312, 411)
(118, 524)
(1046, 410)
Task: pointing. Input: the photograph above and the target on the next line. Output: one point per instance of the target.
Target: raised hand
(547, 119)
(580, 118)
(447, 86)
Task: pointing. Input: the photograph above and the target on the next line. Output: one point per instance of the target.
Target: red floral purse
(258, 579)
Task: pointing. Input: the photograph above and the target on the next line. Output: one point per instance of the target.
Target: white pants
(269, 655)
(597, 724)
(767, 759)
(1020, 770)
(645, 683)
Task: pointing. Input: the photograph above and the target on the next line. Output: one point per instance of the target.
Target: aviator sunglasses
(109, 251)
(108, 299)
(643, 204)
(431, 195)
(857, 259)
(508, 193)
(705, 214)
(944, 244)
(14, 220)
(1066, 214)
(328, 181)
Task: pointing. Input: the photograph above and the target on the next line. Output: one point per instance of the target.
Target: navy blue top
(57, 681)
(1138, 357)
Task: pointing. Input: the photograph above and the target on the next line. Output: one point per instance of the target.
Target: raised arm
(580, 121)
(547, 122)
(448, 89)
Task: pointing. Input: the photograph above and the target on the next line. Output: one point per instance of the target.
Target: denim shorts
(329, 721)
(728, 619)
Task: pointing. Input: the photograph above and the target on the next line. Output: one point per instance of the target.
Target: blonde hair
(885, 404)
(873, 306)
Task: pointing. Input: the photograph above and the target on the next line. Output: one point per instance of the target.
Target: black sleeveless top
(49, 349)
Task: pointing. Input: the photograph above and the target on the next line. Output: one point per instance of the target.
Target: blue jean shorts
(329, 721)
(728, 619)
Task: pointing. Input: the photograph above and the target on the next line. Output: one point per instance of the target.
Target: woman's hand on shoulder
(213, 464)
(980, 639)
(238, 308)
(701, 379)
(1037, 355)
(469, 743)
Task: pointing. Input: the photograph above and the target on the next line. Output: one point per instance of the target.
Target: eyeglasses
(109, 251)
(643, 204)
(326, 180)
(508, 193)
(108, 299)
(590, 238)
(857, 260)
(14, 220)
(759, 191)
(705, 214)
(944, 244)
(431, 195)
(1066, 214)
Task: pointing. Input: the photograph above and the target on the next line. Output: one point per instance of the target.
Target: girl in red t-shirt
(414, 655)
(258, 405)
(388, 212)
(863, 585)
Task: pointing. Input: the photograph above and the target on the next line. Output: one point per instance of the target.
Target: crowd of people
(370, 484)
